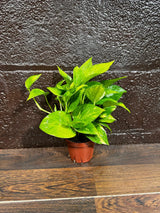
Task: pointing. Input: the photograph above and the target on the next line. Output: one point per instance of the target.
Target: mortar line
(70, 71)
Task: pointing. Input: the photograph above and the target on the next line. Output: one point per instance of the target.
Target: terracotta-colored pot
(80, 152)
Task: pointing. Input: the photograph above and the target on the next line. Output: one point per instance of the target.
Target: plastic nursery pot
(80, 152)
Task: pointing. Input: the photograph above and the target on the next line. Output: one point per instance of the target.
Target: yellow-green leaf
(66, 77)
(109, 82)
(36, 92)
(86, 113)
(30, 81)
(55, 90)
(95, 93)
(100, 137)
(58, 124)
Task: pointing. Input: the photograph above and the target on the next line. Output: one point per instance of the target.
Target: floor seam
(76, 198)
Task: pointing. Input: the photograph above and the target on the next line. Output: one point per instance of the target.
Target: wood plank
(126, 154)
(129, 204)
(60, 206)
(57, 157)
(34, 158)
(147, 203)
(46, 183)
(78, 182)
(127, 179)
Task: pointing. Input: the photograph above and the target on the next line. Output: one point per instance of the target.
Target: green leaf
(67, 95)
(60, 86)
(117, 92)
(80, 87)
(106, 125)
(123, 106)
(89, 129)
(108, 111)
(87, 64)
(97, 69)
(71, 94)
(109, 82)
(75, 100)
(116, 96)
(91, 83)
(55, 91)
(86, 113)
(112, 102)
(110, 92)
(36, 92)
(107, 102)
(72, 85)
(100, 137)
(31, 80)
(77, 76)
(88, 71)
(95, 93)
(66, 77)
(117, 89)
(107, 119)
(58, 124)
(55, 107)
(78, 124)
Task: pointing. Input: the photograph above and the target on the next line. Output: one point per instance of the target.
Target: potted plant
(83, 108)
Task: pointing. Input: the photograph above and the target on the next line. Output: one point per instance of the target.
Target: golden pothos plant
(84, 107)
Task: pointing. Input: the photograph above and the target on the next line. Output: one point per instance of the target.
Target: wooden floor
(119, 179)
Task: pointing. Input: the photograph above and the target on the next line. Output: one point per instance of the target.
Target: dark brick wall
(37, 35)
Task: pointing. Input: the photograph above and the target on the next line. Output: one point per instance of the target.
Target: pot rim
(83, 144)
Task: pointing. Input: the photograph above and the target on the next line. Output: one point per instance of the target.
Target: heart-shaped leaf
(116, 92)
(88, 129)
(123, 106)
(79, 74)
(88, 71)
(108, 111)
(66, 77)
(112, 102)
(36, 92)
(95, 93)
(74, 101)
(30, 81)
(109, 82)
(106, 125)
(86, 113)
(100, 137)
(55, 91)
(107, 119)
(97, 69)
(58, 124)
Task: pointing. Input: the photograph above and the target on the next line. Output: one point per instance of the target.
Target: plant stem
(37, 104)
(66, 107)
(83, 97)
(39, 107)
(48, 104)
(60, 103)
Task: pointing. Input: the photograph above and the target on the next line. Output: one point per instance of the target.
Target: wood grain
(114, 172)
(73, 182)
(65, 206)
(46, 183)
(127, 179)
(57, 157)
(149, 203)
(34, 158)
(129, 204)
